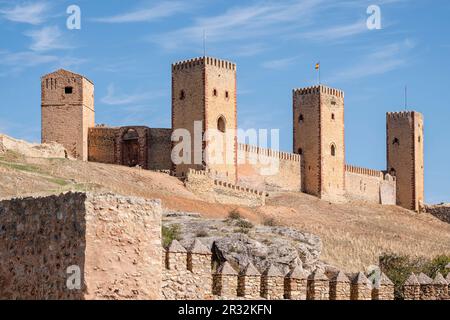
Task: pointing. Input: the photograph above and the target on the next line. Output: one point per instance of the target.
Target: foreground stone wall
(113, 241)
(188, 275)
(370, 186)
(441, 211)
(268, 169)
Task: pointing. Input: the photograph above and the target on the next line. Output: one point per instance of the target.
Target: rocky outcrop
(440, 211)
(239, 243)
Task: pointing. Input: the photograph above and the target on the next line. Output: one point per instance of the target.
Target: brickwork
(383, 289)
(113, 240)
(340, 287)
(249, 283)
(361, 287)
(405, 157)
(67, 111)
(102, 144)
(318, 286)
(272, 284)
(296, 284)
(319, 138)
(159, 145)
(204, 89)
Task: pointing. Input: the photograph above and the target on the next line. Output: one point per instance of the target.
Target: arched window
(221, 124)
(300, 151)
(215, 92)
(333, 150)
(333, 117)
(396, 142)
(227, 94)
(182, 95)
(300, 119)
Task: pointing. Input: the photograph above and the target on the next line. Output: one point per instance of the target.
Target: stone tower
(319, 139)
(67, 106)
(405, 157)
(204, 99)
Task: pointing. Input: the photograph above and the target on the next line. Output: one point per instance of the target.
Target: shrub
(399, 267)
(244, 224)
(170, 234)
(270, 222)
(234, 215)
(202, 234)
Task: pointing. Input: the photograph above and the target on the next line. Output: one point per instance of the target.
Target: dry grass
(354, 235)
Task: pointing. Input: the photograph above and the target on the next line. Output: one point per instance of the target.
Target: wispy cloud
(279, 64)
(47, 38)
(158, 11)
(379, 61)
(31, 13)
(242, 23)
(25, 59)
(336, 32)
(113, 99)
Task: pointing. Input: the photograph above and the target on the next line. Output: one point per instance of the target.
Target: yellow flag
(317, 66)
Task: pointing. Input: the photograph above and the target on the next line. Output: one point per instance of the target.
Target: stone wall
(208, 187)
(369, 185)
(160, 149)
(113, 241)
(422, 287)
(188, 275)
(268, 169)
(102, 144)
(441, 211)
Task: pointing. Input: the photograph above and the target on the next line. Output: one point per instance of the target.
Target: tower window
(300, 119)
(300, 151)
(227, 94)
(221, 124)
(333, 117)
(68, 90)
(333, 150)
(396, 142)
(215, 92)
(393, 172)
(182, 95)
(420, 139)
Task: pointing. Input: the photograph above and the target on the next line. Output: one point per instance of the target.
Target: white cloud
(114, 99)
(336, 32)
(47, 38)
(161, 10)
(25, 59)
(279, 63)
(31, 13)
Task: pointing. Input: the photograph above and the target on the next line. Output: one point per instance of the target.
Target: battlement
(188, 274)
(187, 64)
(364, 171)
(319, 89)
(269, 152)
(402, 114)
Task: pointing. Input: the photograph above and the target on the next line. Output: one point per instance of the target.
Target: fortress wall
(160, 149)
(203, 182)
(114, 242)
(268, 169)
(188, 275)
(369, 185)
(102, 144)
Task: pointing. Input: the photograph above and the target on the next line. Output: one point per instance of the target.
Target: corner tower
(405, 157)
(67, 111)
(204, 99)
(319, 139)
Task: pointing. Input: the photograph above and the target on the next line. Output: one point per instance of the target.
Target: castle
(204, 92)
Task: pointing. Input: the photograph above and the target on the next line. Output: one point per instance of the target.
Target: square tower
(67, 111)
(319, 139)
(204, 100)
(405, 158)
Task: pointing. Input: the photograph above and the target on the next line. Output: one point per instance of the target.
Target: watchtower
(67, 106)
(319, 139)
(405, 158)
(204, 99)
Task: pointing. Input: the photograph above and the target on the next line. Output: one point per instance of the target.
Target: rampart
(370, 185)
(79, 246)
(211, 188)
(440, 211)
(268, 169)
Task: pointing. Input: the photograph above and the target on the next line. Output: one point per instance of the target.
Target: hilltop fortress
(204, 91)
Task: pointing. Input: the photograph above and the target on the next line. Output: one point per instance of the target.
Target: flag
(318, 66)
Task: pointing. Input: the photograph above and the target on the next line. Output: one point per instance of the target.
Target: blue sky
(126, 48)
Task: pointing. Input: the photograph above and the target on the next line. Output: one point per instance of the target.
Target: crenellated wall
(188, 274)
(268, 169)
(369, 185)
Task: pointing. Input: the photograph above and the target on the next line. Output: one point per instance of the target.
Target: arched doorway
(130, 148)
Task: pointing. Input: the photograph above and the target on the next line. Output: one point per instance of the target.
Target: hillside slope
(354, 235)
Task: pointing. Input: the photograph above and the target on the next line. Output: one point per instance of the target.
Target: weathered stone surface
(361, 287)
(114, 241)
(340, 287)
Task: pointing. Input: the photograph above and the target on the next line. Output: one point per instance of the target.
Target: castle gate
(130, 148)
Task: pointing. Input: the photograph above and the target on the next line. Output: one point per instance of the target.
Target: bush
(169, 234)
(398, 268)
(234, 215)
(244, 224)
(202, 234)
(270, 222)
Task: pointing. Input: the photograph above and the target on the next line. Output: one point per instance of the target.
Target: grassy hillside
(354, 235)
